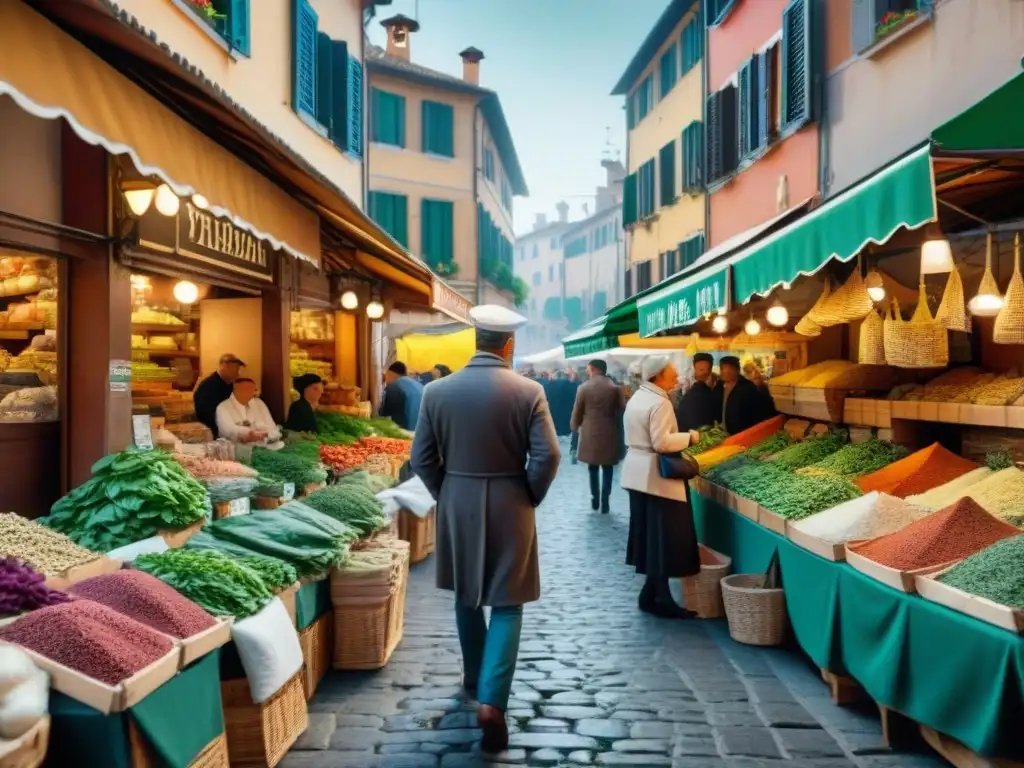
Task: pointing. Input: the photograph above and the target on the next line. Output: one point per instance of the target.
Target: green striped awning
(995, 123)
(684, 302)
(902, 195)
(603, 333)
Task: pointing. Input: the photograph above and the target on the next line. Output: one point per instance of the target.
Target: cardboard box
(97, 567)
(981, 608)
(197, 646)
(826, 549)
(904, 581)
(177, 537)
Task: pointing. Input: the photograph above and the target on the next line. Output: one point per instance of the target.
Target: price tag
(238, 506)
(142, 432)
(289, 491)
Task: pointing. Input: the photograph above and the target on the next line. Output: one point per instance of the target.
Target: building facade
(442, 167)
(540, 264)
(663, 207)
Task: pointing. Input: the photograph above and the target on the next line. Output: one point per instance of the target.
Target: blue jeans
(489, 652)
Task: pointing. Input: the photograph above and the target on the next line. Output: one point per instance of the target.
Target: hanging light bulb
(988, 300)
(720, 324)
(752, 327)
(936, 257)
(375, 310)
(139, 196)
(166, 201)
(200, 202)
(349, 300)
(186, 292)
(777, 314)
(875, 285)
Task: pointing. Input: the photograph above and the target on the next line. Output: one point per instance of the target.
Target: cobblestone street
(598, 683)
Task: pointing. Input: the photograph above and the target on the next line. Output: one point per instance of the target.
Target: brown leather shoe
(495, 729)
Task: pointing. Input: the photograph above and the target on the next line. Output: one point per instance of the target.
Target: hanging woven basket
(808, 325)
(952, 312)
(988, 287)
(920, 342)
(1009, 326)
(851, 302)
(871, 348)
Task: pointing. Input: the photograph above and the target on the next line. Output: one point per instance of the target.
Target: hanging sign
(199, 235)
(684, 303)
(450, 302)
(120, 375)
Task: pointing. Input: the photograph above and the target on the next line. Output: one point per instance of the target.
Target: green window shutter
(749, 104)
(337, 126)
(354, 134)
(667, 68)
(630, 112)
(438, 128)
(238, 26)
(436, 231)
(647, 185)
(693, 160)
(387, 117)
(324, 73)
(392, 213)
(765, 92)
(629, 201)
(713, 135)
(304, 58)
(667, 163)
(797, 65)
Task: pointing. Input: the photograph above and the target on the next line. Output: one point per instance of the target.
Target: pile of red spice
(89, 638)
(919, 472)
(147, 599)
(952, 533)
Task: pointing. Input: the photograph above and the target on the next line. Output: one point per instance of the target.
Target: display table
(941, 668)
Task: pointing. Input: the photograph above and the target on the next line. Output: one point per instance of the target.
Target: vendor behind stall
(701, 406)
(302, 416)
(742, 403)
(215, 389)
(244, 418)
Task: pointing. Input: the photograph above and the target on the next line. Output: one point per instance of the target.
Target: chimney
(541, 221)
(400, 29)
(614, 172)
(563, 212)
(471, 58)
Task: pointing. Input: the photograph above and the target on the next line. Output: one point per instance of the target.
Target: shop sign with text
(449, 301)
(199, 235)
(684, 303)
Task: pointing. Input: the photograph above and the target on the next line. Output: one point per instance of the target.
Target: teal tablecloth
(946, 670)
(178, 720)
(312, 601)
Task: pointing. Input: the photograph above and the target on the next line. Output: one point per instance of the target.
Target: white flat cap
(491, 317)
(653, 365)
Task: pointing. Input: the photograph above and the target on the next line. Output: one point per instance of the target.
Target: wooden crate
(260, 735)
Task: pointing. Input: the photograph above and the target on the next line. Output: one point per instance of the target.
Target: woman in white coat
(662, 539)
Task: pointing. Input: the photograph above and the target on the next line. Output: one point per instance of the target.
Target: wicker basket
(260, 735)
(702, 593)
(419, 531)
(851, 302)
(920, 343)
(315, 641)
(1009, 327)
(871, 348)
(214, 754)
(29, 749)
(952, 311)
(809, 324)
(756, 616)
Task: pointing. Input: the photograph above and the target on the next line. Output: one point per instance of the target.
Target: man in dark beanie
(742, 404)
(701, 406)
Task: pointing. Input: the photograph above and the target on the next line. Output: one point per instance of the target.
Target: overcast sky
(553, 63)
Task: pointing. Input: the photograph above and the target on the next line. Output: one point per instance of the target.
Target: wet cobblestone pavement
(598, 683)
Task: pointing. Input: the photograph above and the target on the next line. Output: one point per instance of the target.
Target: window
(392, 213)
(506, 194)
(667, 163)
(629, 200)
(692, 43)
(536, 278)
(667, 71)
(553, 244)
(436, 231)
(327, 84)
(646, 200)
(576, 247)
(551, 272)
(722, 145)
(719, 10)
(798, 65)
(489, 164)
(438, 129)
(387, 117)
(644, 96)
(228, 18)
(643, 275)
(667, 264)
(536, 250)
(599, 304)
(874, 20)
(693, 157)
(690, 250)
(757, 111)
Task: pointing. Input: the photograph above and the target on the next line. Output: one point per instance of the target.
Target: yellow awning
(51, 75)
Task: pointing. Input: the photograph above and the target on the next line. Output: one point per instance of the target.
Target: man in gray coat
(486, 449)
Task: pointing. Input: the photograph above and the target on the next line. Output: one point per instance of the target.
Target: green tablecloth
(178, 720)
(312, 601)
(946, 670)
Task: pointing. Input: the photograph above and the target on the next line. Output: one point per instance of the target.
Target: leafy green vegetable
(858, 459)
(130, 497)
(352, 503)
(709, 438)
(210, 579)
(811, 450)
(342, 429)
(796, 496)
(376, 483)
(768, 446)
(276, 574)
(997, 460)
(290, 467)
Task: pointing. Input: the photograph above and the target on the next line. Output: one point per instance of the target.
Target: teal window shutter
(693, 157)
(437, 227)
(765, 97)
(667, 163)
(324, 88)
(438, 128)
(647, 199)
(304, 58)
(630, 112)
(750, 98)
(237, 28)
(489, 164)
(667, 69)
(337, 127)
(797, 65)
(387, 117)
(629, 201)
(354, 135)
(392, 213)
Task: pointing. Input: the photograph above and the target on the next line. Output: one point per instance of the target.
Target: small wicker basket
(260, 735)
(809, 324)
(316, 642)
(952, 311)
(702, 593)
(756, 616)
(871, 347)
(29, 749)
(1009, 327)
(851, 302)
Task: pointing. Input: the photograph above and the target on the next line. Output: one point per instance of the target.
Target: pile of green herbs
(997, 460)
(709, 437)
(131, 496)
(343, 429)
(210, 579)
(374, 482)
(858, 459)
(274, 572)
(770, 445)
(352, 503)
(995, 573)
(795, 496)
(290, 467)
(222, 489)
(811, 450)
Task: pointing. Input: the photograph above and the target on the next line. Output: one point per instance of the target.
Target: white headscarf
(653, 365)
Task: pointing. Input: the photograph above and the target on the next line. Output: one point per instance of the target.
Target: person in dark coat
(485, 448)
(215, 389)
(742, 404)
(302, 413)
(562, 395)
(596, 419)
(402, 396)
(440, 371)
(701, 405)
(752, 372)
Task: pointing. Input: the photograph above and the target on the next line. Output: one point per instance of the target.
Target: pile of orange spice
(919, 472)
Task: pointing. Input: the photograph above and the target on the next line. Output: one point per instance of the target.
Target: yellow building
(443, 168)
(663, 208)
